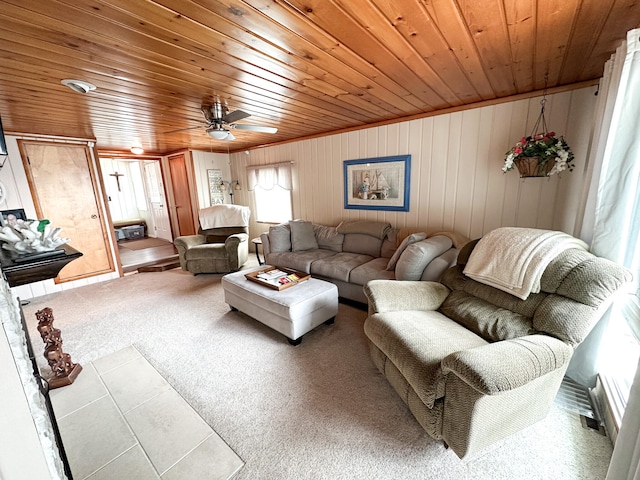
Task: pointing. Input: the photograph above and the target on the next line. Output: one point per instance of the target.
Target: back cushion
(220, 234)
(362, 243)
(574, 285)
(280, 238)
(328, 238)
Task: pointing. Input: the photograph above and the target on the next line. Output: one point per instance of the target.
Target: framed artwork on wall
(215, 180)
(380, 183)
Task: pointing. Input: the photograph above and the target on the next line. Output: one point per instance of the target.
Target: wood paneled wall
(203, 161)
(456, 160)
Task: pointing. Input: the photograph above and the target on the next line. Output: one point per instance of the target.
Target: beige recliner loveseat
(474, 363)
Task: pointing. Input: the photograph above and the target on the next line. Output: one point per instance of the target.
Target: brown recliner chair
(221, 249)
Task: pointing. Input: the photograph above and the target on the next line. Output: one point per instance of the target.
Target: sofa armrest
(266, 244)
(392, 295)
(508, 364)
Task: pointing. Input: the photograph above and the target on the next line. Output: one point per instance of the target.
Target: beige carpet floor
(317, 411)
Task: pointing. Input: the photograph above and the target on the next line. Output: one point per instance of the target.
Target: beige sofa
(475, 364)
(355, 252)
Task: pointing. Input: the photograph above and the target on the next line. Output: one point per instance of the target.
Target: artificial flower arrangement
(30, 236)
(547, 148)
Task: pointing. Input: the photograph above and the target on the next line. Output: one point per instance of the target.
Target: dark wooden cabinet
(24, 269)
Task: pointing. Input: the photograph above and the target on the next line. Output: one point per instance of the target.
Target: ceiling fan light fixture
(137, 150)
(78, 86)
(217, 134)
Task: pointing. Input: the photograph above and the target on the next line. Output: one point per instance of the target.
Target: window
(271, 185)
(273, 206)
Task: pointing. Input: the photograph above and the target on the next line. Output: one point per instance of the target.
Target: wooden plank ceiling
(306, 67)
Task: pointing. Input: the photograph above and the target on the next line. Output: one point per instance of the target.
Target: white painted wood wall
(456, 160)
(456, 177)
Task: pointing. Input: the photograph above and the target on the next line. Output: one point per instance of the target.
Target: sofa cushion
(280, 238)
(298, 260)
(373, 270)
(362, 243)
(417, 256)
(328, 237)
(416, 342)
(339, 266)
(206, 251)
(302, 236)
(411, 239)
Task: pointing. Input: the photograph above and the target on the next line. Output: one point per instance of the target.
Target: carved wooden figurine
(63, 369)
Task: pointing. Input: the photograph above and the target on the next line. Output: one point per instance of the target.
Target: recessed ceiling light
(79, 86)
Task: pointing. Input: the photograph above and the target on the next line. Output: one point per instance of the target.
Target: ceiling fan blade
(235, 116)
(254, 128)
(184, 129)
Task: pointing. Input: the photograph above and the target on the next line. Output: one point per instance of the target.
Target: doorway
(137, 202)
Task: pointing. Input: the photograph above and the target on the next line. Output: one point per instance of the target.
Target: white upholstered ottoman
(293, 311)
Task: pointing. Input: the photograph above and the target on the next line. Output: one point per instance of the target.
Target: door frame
(128, 156)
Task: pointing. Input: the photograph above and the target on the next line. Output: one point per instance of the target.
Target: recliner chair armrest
(508, 364)
(188, 241)
(232, 241)
(237, 249)
(394, 295)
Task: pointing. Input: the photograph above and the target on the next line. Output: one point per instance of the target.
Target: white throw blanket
(513, 259)
(224, 216)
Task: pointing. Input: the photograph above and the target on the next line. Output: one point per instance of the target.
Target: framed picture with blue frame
(380, 183)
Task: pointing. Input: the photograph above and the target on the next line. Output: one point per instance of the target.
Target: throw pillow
(302, 237)
(417, 256)
(280, 238)
(413, 238)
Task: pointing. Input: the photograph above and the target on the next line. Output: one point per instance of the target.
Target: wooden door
(181, 194)
(64, 189)
(157, 200)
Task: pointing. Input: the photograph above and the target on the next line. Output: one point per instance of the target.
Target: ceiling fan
(220, 121)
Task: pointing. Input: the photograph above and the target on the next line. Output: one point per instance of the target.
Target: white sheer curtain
(611, 221)
(268, 176)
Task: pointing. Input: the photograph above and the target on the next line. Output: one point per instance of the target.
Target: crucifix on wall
(117, 175)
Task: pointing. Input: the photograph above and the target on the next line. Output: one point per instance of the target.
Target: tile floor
(121, 419)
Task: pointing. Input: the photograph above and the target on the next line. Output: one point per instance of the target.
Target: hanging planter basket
(534, 166)
(538, 154)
